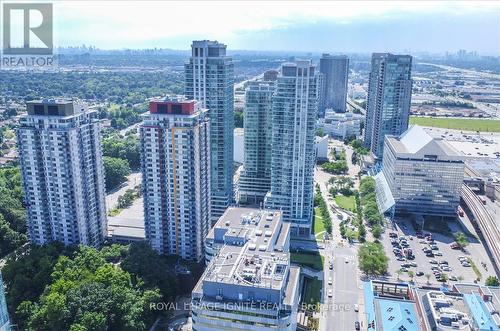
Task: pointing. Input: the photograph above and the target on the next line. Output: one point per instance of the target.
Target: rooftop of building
(129, 224)
(55, 107)
(174, 105)
(485, 311)
(389, 307)
(331, 114)
(462, 307)
(416, 143)
(261, 229)
(252, 252)
(336, 57)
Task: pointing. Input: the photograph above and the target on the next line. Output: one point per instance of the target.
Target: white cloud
(110, 24)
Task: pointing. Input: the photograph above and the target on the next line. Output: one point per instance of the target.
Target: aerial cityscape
(280, 165)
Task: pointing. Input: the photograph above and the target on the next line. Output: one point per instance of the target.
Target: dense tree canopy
(12, 212)
(372, 259)
(57, 288)
(127, 148)
(116, 171)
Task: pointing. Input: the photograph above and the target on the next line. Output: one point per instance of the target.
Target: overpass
(353, 104)
(485, 223)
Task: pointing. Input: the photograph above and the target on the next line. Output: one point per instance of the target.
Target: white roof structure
(416, 143)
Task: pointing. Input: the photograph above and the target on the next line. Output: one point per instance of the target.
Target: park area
(483, 125)
(346, 202)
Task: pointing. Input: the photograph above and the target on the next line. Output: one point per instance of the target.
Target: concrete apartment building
(248, 283)
(210, 80)
(175, 163)
(255, 181)
(422, 174)
(389, 99)
(335, 70)
(59, 144)
(342, 125)
(294, 112)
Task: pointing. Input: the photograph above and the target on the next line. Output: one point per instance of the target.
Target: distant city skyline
(276, 26)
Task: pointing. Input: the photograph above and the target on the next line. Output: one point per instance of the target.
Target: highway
(485, 223)
(353, 104)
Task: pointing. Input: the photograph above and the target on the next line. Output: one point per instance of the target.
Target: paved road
(123, 132)
(338, 311)
(132, 180)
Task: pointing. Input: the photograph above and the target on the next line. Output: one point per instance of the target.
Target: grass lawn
(348, 203)
(312, 260)
(312, 292)
(483, 125)
(319, 226)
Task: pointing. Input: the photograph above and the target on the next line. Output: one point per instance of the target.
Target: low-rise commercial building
(321, 146)
(463, 307)
(422, 174)
(342, 125)
(390, 307)
(248, 283)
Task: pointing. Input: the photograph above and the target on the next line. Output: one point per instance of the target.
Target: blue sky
(316, 26)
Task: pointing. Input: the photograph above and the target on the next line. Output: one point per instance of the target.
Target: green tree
(372, 259)
(127, 148)
(492, 281)
(461, 239)
(116, 171)
(362, 232)
(377, 231)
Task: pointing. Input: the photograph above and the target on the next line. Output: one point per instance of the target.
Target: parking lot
(422, 264)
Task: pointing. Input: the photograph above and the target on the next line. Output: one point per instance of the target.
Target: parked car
(429, 254)
(330, 281)
(356, 307)
(454, 246)
(453, 278)
(419, 273)
(433, 261)
(443, 262)
(357, 326)
(438, 253)
(330, 293)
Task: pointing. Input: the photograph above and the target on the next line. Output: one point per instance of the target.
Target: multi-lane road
(337, 311)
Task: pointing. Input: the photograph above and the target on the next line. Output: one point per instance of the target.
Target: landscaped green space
(312, 292)
(319, 226)
(466, 124)
(312, 260)
(348, 203)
